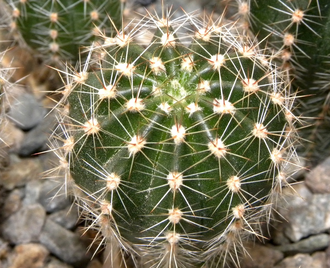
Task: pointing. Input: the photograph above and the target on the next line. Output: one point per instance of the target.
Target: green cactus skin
(299, 33)
(178, 146)
(58, 29)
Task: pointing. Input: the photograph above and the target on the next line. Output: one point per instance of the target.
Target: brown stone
(10, 136)
(260, 256)
(318, 180)
(18, 174)
(12, 203)
(319, 260)
(29, 256)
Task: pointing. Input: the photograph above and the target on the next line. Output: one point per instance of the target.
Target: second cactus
(180, 145)
(58, 29)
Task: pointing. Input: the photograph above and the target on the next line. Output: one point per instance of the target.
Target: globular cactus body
(181, 144)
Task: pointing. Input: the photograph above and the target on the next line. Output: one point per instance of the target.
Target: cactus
(177, 147)
(298, 32)
(58, 29)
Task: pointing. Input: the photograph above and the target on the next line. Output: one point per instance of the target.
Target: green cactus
(177, 146)
(298, 31)
(58, 29)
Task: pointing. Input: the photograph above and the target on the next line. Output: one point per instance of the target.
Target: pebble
(29, 256)
(12, 203)
(32, 192)
(317, 260)
(25, 225)
(21, 172)
(304, 214)
(320, 260)
(49, 193)
(11, 136)
(318, 180)
(261, 256)
(52, 196)
(36, 139)
(64, 244)
(308, 245)
(67, 217)
(26, 112)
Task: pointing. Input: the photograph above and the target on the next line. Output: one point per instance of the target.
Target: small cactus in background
(178, 146)
(58, 29)
(298, 32)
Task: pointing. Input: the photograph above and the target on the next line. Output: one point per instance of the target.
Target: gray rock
(25, 225)
(29, 256)
(308, 245)
(36, 139)
(318, 180)
(317, 260)
(304, 215)
(26, 112)
(48, 193)
(52, 196)
(67, 217)
(32, 192)
(312, 217)
(66, 245)
(297, 261)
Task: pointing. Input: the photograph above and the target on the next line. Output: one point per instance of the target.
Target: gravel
(40, 230)
(25, 225)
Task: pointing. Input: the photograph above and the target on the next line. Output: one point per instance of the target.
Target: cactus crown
(179, 144)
